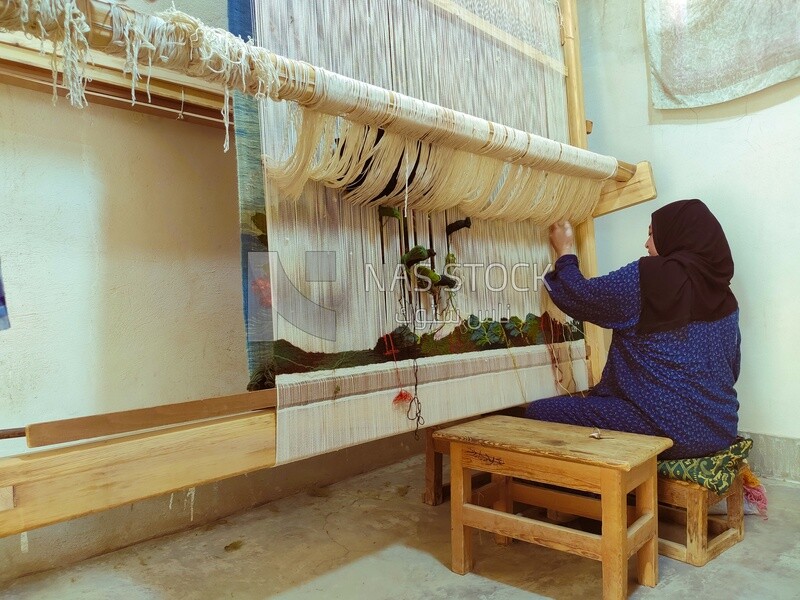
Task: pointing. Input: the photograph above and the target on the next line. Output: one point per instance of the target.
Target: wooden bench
(568, 457)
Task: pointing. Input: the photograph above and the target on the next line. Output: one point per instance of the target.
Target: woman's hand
(562, 238)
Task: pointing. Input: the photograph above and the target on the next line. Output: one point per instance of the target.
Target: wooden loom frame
(230, 435)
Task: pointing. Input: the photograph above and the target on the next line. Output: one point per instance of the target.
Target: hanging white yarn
(182, 43)
(341, 154)
(59, 22)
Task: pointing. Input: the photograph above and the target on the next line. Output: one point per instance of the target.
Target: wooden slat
(565, 502)
(618, 195)
(642, 530)
(536, 532)
(561, 501)
(94, 426)
(552, 471)
(678, 493)
(568, 443)
(65, 483)
(500, 35)
(722, 542)
(171, 94)
(671, 549)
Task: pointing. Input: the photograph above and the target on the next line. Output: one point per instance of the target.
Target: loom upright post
(594, 336)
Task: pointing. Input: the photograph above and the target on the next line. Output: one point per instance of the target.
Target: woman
(674, 354)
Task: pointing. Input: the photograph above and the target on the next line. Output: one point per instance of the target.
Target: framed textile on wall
(704, 52)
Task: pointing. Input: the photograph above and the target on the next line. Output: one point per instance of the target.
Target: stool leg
(696, 526)
(614, 542)
(735, 502)
(647, 556)
(433, 471)
(460, 493)
(504, 503)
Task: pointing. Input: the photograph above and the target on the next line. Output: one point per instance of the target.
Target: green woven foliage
(716, 472)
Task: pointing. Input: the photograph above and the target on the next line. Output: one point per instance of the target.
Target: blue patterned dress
(677, 383)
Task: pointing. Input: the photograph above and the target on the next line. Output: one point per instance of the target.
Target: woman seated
(675, 351)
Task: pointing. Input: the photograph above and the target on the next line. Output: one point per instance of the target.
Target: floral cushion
(716, 472)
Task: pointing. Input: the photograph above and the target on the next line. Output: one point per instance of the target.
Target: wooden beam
(593, 335)
(572, 58)
(616, 195)
(65, 483)
(170, 94)
(94, 426)
(501, 36)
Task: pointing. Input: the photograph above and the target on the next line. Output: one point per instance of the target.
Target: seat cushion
(716, 472)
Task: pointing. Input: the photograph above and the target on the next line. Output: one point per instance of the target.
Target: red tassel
(402, 397)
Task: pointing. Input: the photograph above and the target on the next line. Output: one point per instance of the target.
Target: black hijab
(690, 278)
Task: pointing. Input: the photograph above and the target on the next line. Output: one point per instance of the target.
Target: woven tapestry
(704, 52)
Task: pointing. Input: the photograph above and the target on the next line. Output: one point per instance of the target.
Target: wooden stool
(564, 456)
(688, 504)
(436, 490)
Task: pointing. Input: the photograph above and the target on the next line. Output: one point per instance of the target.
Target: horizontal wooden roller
(361, 102)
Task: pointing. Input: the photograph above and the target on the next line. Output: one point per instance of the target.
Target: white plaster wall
(119, 244)
(742, 158)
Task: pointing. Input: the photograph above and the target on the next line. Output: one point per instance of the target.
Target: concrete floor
(371, 537)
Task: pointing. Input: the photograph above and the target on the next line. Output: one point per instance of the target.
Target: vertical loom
(323, 409)
(438, 52)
